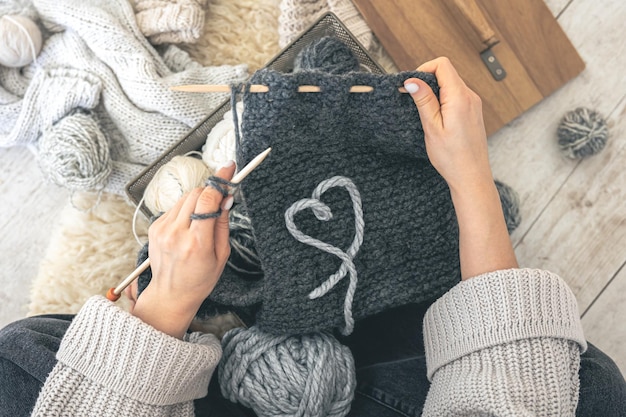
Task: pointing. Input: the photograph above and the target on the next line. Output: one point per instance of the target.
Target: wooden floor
(574, 212)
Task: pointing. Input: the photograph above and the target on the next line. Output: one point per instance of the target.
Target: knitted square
(349, 216)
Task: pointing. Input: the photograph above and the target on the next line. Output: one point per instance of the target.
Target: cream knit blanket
(96, 60)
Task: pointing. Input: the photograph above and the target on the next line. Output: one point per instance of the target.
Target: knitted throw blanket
(95, 60)
(350, 217)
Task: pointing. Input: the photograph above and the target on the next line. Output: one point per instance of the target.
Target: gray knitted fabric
(409, 248)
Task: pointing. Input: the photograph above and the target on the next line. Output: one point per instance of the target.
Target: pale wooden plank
(524, 154)
(604, 322)
(28, 211)
(557, 6)
(582, 232)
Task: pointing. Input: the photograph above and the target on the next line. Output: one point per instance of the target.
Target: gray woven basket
(327, 25)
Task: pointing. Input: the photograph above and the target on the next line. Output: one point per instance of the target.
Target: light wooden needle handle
(472, 13)
(114, 294)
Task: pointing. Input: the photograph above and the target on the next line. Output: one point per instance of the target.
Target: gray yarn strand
(309, 375)
(323, 213)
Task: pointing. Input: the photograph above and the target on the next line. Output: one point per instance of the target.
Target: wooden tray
(533, 50)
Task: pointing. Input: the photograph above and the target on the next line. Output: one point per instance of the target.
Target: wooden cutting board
(533, 50)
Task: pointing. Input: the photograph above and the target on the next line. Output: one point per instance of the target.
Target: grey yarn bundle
(310, 375)
(74, 153)
(582, 132)
(327, 54)
(510, 206)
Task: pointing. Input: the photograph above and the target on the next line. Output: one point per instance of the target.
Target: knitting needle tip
(114, 294)
(251, 166)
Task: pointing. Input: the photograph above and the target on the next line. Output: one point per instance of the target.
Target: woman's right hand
(456, 144)
(454, 129)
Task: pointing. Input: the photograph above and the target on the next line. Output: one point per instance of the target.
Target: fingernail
(227, 164)
(228, 203)
(411, 87)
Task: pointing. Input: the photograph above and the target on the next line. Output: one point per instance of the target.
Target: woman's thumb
(425, 100)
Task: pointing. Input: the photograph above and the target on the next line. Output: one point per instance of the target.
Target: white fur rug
(91, 251)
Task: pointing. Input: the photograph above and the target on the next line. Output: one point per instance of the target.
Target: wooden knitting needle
(114, 293)
(258, 88)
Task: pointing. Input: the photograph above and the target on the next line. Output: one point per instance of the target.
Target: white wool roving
(20, 40)
(177, 177)
(221, 143)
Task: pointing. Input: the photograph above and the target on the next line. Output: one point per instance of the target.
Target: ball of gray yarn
(308, 375)
(327, 54)
(74, 153)
(510, 206)
(582, 132)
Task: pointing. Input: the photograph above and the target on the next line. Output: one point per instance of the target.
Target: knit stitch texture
(113, 364)
(297, 15)
(409, 250)
(171, 21)
(512, 349)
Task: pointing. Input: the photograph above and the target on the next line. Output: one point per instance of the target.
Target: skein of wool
(309, 375)
(21, 41)
(582, 132)
(74, 153)
(510, 206)
(326, 54)
(177, 177)
(221, 142)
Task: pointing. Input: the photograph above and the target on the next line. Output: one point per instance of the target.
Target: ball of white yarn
(221, 143)
(177, 177)
(21, 41)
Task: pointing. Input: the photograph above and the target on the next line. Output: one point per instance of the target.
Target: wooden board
(533, 49)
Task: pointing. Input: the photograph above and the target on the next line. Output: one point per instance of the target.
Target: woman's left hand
(187, 258)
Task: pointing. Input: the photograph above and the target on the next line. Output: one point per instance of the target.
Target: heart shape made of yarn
(323, 212)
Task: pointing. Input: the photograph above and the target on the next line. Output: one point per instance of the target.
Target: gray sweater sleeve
(112, 364)
(506, 343)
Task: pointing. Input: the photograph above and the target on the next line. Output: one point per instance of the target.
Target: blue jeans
(388, 351)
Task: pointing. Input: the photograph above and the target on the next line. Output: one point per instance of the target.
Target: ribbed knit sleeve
(112, 364)
(506, 343)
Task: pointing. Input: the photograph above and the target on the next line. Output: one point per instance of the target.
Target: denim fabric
(388, 351)
(27, 355)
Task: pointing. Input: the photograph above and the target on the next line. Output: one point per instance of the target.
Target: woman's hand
(456, 144)
(454, 129)
(187, 258)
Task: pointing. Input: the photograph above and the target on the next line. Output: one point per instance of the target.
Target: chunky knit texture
(513, 348)
(97, 59)
(112, 364)
(171, 21)
(297, 15)
(506, 343)
(409, 251)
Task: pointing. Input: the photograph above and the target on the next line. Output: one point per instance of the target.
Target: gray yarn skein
(309, 375)
(327, 54)
(322, 212)
(510, 206)
(582, 132)
(74, 153)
